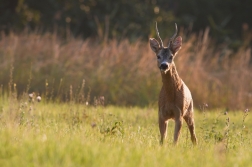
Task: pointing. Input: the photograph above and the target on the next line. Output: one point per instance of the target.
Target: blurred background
(82, 50)
(127, 18)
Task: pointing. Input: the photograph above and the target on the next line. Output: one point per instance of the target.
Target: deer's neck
(171, 81)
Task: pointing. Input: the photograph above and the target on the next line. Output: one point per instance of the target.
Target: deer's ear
(154, 45)
(176, 45)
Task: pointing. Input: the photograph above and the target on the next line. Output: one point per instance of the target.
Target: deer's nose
(163, 66)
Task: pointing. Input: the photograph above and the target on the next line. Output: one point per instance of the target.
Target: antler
(162, 45)
(174, 35)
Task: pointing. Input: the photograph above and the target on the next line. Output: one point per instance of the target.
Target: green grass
(68, 134)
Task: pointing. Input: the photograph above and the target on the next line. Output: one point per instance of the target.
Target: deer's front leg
(178, 124)
(163, 129)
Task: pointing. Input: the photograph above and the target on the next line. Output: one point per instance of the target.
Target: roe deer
(175, 100)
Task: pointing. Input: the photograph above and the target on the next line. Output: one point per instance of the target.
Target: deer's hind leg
(189, 118)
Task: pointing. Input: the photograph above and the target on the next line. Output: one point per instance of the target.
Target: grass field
(69, 134)
(62, 130)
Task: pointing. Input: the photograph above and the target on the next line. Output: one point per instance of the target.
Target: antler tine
(162, 45)
(174, 35)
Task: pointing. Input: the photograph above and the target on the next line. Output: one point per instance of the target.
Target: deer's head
(165, 55)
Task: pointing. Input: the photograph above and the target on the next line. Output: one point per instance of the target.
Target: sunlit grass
(124, 73)
(68, 134)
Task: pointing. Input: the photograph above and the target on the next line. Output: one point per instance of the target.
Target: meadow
(99, 102)
(72, 134)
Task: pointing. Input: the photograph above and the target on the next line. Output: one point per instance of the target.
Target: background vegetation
(55, 47)
(124, 73)
(127, 18)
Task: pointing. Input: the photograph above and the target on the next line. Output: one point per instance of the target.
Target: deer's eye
(171, 57)
(158, 57)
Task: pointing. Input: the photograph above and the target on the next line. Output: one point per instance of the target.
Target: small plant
(112, 126)
(245, 114)
(115, 129)
(203, 125)
(227, 133)
(218, 137)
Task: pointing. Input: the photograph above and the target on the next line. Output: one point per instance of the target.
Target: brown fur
(175, 100)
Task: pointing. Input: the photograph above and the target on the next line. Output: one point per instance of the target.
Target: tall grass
(124, 73)
(69, 134)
